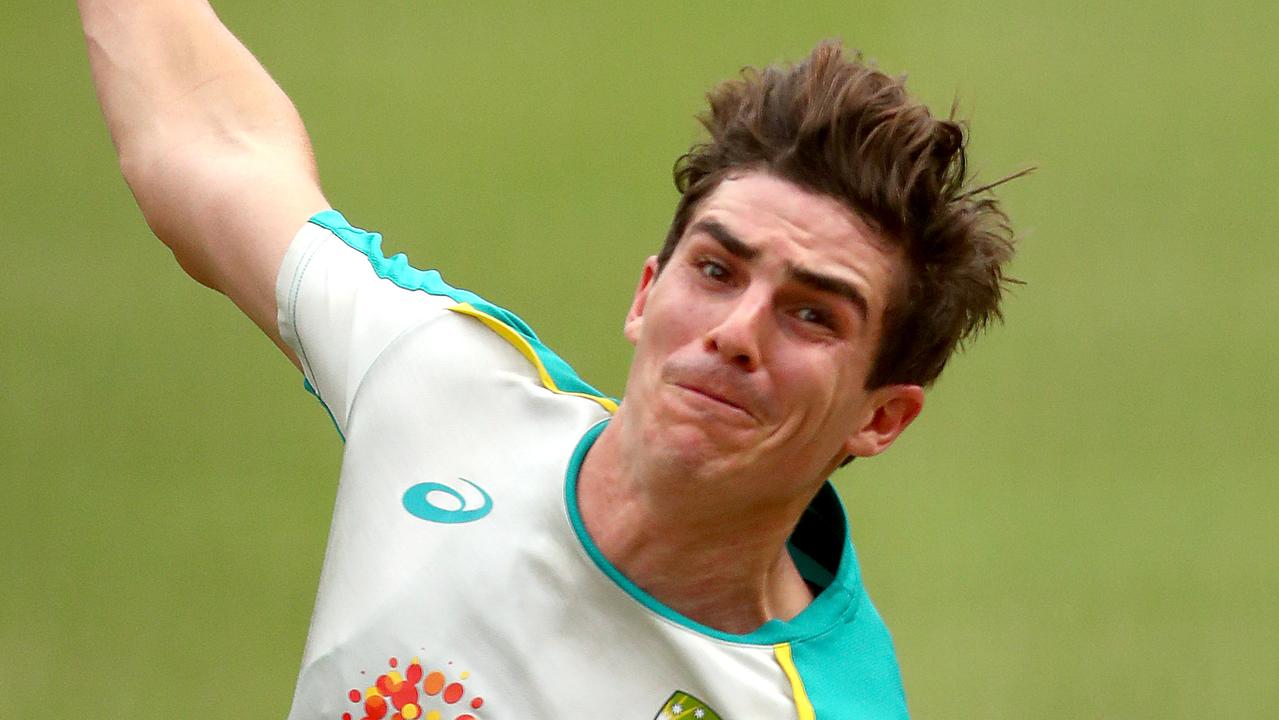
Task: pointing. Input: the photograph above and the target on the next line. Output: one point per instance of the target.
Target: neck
(720, 563)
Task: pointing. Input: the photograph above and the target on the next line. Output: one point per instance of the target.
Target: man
(509, 543)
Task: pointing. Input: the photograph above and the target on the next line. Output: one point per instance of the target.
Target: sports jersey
(459, 582)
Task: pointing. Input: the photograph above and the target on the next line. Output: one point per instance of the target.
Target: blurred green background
(1083, 524)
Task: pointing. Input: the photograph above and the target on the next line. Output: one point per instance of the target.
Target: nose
(740, 334)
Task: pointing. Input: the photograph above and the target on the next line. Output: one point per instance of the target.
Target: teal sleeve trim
(398, 270)
(832, 607)
(852, 672)
(311, 389)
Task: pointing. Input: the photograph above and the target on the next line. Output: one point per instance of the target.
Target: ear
(892, 409)
(635, 316)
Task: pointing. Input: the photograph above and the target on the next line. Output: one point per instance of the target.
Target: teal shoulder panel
(852, 672)
(398, 270)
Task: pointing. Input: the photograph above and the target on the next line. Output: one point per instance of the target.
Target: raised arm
(213, 150)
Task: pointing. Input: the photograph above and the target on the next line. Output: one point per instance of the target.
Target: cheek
(671, 325)
(825, 387)
(662, 337)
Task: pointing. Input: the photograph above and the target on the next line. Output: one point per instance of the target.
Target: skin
(747, 388)
(213, 150)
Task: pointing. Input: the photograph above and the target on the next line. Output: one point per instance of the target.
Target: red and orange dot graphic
(400, 695)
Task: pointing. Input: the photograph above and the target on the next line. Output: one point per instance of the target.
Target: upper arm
(213, 149)
(229, 214)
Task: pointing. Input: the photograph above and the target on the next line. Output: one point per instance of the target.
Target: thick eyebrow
(833, 285)
(815, 280)
(725, 237)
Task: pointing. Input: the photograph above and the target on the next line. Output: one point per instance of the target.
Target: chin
(695, 446)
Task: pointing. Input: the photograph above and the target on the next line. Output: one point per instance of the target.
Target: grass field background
(1083, 524)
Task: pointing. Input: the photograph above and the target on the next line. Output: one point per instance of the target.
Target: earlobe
(894, 409)
(635, 315)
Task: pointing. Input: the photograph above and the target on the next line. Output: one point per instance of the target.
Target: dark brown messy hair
(840, 127)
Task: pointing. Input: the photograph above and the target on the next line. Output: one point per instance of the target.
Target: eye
(713, 270)
(813, 315)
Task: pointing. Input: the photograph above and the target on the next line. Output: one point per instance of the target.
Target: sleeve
(341, 303)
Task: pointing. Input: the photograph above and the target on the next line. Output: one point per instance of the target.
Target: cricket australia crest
(682, 706)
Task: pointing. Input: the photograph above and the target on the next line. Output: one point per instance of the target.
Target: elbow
(211, 202)
(177, 198)
(148, 180)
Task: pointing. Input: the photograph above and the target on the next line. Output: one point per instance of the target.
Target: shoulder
(346, 308)
(849, 669)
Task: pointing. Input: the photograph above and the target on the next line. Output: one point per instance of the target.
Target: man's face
(754, 342)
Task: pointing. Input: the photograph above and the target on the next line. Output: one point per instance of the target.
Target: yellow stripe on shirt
(803, 707)
(509, 334)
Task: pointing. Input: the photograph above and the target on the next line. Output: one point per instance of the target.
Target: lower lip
(715, 402)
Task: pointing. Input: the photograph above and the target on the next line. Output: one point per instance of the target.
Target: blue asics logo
(417, 500)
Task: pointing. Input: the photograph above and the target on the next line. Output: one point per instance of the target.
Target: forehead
(811, 231)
